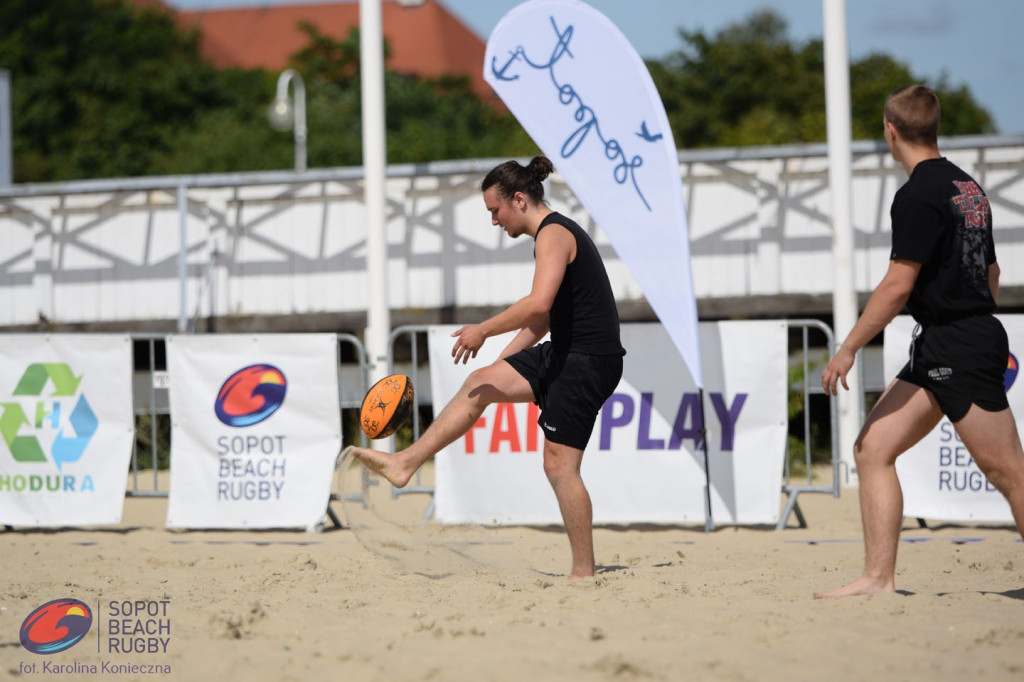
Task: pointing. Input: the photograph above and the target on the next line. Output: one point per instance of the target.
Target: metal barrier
(790, 486)
(149, 400)
(151, 404)
(412, 331)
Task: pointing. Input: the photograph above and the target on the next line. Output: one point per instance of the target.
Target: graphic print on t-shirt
(972, 206)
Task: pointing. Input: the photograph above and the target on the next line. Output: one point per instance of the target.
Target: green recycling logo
(26, 447)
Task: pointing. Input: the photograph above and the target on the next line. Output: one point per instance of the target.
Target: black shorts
(570, 389)
(961, 363)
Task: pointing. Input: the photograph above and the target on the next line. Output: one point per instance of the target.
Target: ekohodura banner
(940, 479)
(67, 426)
(256, 429)
(643, 462)
(584, 95)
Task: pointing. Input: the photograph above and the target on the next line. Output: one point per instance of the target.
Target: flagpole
(709, 522)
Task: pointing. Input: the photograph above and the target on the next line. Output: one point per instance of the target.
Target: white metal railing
(285, 244)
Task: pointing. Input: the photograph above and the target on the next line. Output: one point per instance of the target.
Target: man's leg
(903, 415)
(562, 467)
(497, 383)
(992, 440)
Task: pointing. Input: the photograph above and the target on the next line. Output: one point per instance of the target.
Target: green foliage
(426, 119)
(146, 445)
(102, 88)
(98, 85)
(818, 421)
(329, 60)
(750, 85)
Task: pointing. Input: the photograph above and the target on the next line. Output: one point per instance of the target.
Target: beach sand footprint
(385, 528)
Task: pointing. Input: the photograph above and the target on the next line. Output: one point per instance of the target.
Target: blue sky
(977, 43)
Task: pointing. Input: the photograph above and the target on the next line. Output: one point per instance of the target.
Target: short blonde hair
(914, 112)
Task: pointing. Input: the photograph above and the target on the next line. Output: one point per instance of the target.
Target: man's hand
(468, 341)
(836, 371)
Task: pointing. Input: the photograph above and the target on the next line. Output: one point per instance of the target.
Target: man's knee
(479, 385)
(1005, 473)
(559, 465)
(477, 378)
(860, 449)
(554, 467)
(867, 452)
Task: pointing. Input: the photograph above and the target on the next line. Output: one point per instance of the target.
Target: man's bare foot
(583, 571)
(863, 586)
(385, 464)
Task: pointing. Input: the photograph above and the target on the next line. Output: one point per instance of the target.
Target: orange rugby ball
(386, 406)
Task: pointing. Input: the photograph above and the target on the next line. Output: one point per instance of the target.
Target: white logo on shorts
(549, 427)
(940, 373)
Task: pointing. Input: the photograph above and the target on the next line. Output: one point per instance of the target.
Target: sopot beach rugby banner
(940, 479)
(586, 98)
(643, 462)
(68, 427)
(256, 429)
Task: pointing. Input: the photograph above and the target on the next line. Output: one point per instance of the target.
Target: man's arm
(993, 281)
(528, 336)
(554, 250)
(885, 303)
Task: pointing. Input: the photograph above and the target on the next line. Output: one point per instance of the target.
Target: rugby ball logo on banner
(256, 430)
(67, 427)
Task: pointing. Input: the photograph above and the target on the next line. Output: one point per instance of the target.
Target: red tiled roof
(424, 39)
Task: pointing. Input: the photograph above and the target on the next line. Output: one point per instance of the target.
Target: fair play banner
(256, 429)
(68, 428)
(584, 95)
(643, 462)
(939, 477)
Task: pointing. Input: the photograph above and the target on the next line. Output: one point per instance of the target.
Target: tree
(103, 88)
(427, 119)
(107, 88)
(98, 85)
(749, 84)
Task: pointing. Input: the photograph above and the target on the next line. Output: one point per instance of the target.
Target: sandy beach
(393, 597)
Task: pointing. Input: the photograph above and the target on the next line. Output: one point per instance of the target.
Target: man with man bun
(569, 377)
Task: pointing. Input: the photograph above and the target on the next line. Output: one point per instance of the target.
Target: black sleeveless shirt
(584, 318)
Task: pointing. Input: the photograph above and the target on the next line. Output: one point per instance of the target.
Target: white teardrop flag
(584, 95)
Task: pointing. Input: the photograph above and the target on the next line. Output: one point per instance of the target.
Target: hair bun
(540, 168)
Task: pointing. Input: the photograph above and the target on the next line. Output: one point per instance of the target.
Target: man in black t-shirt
(943, 269)
(569, 377)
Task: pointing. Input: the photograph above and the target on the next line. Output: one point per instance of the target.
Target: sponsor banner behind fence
(67, 426)
(256, 429)
(939, 477)
(643, 462)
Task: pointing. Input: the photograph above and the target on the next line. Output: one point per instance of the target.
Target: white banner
(939, 477)
(68, 428)
(585, 96)
(256, 429)
(643, 463)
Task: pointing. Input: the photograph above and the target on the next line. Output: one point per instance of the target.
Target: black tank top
(584, 318)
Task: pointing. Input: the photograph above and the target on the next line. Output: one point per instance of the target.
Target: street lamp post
(291, 115)
(6, 155)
